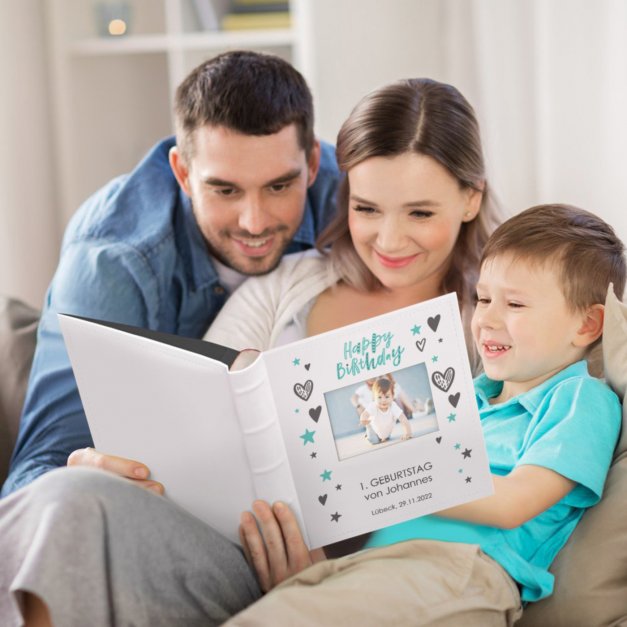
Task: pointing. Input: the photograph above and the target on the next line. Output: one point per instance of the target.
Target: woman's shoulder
(306, 261)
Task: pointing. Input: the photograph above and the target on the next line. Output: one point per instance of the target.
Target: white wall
(548, 79)
(29, 233)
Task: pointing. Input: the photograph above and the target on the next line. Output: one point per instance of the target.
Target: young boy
(550, 431)
(381, 414)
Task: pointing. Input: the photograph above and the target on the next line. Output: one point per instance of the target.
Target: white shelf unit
(112, 96)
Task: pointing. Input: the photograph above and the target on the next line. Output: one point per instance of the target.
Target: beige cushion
(18, 328)
(591, 570)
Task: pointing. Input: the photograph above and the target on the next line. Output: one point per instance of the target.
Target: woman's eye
(421, 213)
(364, 209)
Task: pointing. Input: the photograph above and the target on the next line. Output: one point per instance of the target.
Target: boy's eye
(515, 305)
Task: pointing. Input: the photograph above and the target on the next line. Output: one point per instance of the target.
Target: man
(162, 247)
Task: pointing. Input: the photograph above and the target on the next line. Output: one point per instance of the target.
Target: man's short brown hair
(248, 92)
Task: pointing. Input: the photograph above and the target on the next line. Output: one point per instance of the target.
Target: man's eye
(226, 191)
(279, 187)
(481, 300)
(515, 305)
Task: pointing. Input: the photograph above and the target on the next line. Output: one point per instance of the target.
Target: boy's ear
(592, 326)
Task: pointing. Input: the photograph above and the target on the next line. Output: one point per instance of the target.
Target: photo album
(356, 429)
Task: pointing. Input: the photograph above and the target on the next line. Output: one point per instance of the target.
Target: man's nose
(253, 218)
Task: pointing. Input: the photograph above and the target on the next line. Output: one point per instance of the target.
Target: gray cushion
(591, 570)
(18, 328)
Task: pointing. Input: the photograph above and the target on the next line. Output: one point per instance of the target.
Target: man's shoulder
(322, 193)
(328, 160)
(136, 207)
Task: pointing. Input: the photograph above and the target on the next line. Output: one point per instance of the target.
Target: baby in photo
(380, 416)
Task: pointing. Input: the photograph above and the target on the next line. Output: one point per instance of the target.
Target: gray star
(336, 517)
(466, 453)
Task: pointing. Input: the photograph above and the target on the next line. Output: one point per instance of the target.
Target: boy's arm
(523, 494)
(365, 417)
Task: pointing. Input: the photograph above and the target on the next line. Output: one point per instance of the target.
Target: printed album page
(351, 480)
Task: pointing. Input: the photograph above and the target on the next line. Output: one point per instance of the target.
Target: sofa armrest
(18, 331)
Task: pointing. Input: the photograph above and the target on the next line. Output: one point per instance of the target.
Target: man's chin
(255, 266)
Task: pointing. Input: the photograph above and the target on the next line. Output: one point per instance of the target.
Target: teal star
(415, 330)
(296, 411)
(434, 358)
(450, 418)
(326, 475)
(307, 436)
(458, 446)
(460, 471)
(296, 361)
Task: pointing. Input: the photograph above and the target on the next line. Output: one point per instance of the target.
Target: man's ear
(592, 326)
(313, 163)
(179, 168)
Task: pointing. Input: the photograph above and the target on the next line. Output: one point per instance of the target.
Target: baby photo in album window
(380, 411)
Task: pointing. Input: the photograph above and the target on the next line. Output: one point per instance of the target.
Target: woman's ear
(179, 168)
(473, 202)
(592, 326)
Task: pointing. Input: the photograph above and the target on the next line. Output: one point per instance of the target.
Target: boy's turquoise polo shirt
(569, 424)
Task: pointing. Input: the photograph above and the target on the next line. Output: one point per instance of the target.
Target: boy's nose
(488, 317)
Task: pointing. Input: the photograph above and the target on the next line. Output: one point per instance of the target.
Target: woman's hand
(121, 466)
(273, 543)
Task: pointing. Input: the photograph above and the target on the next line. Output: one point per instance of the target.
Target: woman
(414, 213)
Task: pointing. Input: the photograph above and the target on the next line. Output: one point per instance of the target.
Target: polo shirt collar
(487, 388)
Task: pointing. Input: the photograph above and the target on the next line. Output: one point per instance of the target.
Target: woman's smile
(395, 262)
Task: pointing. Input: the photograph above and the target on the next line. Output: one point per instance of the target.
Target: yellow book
(252, 3)
(242, 21)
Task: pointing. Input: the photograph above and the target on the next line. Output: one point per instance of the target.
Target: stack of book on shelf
(206, 15)
(257, 14)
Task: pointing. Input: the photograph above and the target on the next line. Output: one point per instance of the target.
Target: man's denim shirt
(133, 253)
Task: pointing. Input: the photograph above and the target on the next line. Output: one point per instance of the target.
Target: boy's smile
(523, 327)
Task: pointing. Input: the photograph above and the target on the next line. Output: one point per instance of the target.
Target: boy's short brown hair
(583, 248)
